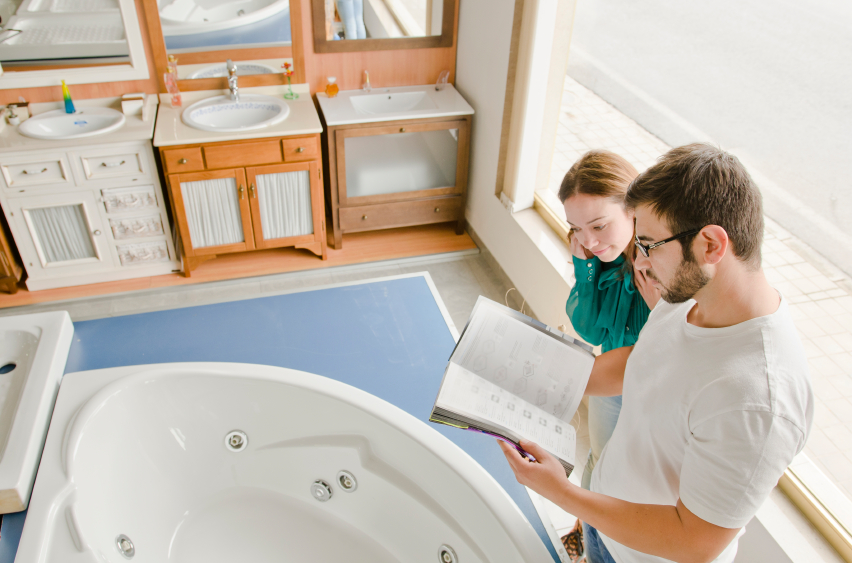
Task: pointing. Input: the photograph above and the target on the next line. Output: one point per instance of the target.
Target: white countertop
(134, 128)
(340, 111)
(170, 130)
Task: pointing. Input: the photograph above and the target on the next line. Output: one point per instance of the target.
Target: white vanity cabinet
(87, 214)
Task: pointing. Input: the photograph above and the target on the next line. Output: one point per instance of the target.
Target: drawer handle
(112, 164)
(96, 232)
(242, 192)
(300, 149)
(42, 171)
(252, 190)
(437, 209)
(363, 217)
(182, 161)
(402, 129)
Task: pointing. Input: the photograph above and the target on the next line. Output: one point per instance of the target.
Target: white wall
(485, 28)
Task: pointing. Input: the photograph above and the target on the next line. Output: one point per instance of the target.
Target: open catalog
(513, 377)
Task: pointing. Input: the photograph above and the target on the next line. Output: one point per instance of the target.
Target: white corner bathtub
(137, 467)
(188, 17)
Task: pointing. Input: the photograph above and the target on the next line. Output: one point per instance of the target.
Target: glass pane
(400, 162)
(62, 233)
(213, 212)
(285, 204)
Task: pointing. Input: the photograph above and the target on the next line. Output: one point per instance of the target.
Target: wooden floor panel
(357, 248)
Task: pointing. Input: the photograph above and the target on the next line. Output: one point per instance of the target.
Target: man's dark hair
(697, 185)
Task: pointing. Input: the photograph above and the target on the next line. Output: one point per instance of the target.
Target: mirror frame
(160, 56)
(322, 45)
(137, 69)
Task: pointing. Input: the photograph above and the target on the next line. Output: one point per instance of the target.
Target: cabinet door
(212, 211)
(60, 234)
(380, 164)
(286, 204)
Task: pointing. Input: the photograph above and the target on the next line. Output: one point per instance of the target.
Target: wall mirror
(374, 25)
(203, 34)
(92, 41)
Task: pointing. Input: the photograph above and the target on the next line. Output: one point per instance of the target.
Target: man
(716, 393)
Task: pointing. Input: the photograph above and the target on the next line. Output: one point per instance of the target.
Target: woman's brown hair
(598, 173)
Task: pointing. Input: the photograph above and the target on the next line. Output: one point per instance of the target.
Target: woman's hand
(649, 292)
(546, 476)
(578, 250)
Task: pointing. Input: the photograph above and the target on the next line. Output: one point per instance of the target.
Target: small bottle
(172, 86)
(331, 89)
(66, 96)
(366, 86)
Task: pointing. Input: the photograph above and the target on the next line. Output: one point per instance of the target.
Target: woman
(610, 301)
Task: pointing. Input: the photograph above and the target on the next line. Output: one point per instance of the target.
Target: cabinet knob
(252, 191)
(363, 217)
(437, 209)
(242, 192)
(300, 149)
(96, 232)
(182, 161)
(402, 129)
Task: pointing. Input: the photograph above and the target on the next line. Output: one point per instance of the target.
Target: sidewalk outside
(818, 293)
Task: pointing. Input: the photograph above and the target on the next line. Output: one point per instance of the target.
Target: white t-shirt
(712, 416)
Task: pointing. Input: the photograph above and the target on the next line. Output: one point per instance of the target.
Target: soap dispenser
(331, 88)
(66, 95)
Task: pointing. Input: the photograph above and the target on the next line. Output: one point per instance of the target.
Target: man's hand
(649, 292)
(546, 476)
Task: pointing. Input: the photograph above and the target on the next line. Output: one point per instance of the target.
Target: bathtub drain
(125, 546)
(236, 441)
(8, 368)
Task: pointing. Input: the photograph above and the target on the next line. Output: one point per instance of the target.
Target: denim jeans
(596, 551)
(603, 414)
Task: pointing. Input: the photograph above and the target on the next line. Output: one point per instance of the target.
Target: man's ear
(711, 244)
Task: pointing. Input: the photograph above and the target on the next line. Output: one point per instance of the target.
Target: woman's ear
(712, 244)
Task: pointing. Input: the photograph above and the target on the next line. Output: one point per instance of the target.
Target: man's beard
(688, 279)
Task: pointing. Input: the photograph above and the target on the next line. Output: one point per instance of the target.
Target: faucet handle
(232, 68)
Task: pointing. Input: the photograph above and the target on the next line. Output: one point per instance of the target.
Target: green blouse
(604, 306)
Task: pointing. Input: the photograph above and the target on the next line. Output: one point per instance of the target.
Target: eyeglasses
(645, 249)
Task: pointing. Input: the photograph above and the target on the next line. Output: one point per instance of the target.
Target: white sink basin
(85, 122)
(33, 351)
(219, 113)
(215, 463)
(221, 70)
(392, 102)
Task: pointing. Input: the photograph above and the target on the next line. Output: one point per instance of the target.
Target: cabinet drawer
(54, 170)
(177, 161)
(401, 214)
(136, 227)
(113, 164)
(143, 253)
(244, 154)
(122, 200)
(296, 150)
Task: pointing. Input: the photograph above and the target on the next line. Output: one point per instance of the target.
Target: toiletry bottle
(172, 87)
(173, 64)
(66, 95)
(366, 86)
(331, 88)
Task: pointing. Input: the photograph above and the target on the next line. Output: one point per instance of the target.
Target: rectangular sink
(391, 104)
(33, 352)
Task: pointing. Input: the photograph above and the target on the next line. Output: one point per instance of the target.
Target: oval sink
(392, 102)
(59, 125)
(219, 113)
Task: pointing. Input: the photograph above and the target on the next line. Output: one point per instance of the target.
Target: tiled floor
(820, 296)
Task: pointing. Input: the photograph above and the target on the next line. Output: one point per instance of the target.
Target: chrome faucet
(232, 81)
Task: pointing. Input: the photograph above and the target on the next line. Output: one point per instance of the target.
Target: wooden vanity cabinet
(239, 196)
(397, 174)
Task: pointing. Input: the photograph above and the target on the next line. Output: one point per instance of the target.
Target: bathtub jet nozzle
(321, 490)
(236, 441)
(125, 546)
